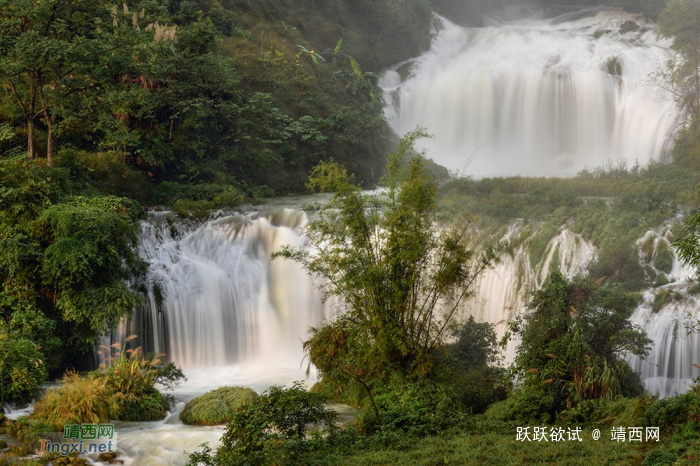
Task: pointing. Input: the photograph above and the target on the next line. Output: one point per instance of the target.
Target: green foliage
(629, 26)
(573, 343)
(124, 389)
(399, 276)
(216, 407)
(63, 260)
(613, 66)
(669, 412)
(681, 21)
(659, 457)
(22, 369)
(476, 345)
(415, 409)
(277, 416)
(78, 400)
(133, 378)
(688, 245)
(470, 369)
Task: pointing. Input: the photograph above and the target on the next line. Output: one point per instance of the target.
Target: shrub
(133, 378)
(529, 405)
(275, 417)
(78, 400)
(22, 367)
(217, 406)
(29, 431)
(669, 412)
(659, 457)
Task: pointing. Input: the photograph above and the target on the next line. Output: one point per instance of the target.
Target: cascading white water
(215, 298)
(669, 368)
(536, 96)
(503, 291)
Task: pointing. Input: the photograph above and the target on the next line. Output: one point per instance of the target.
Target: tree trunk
(49, 134)
(49, 144)
(371, 399)
(30, 138)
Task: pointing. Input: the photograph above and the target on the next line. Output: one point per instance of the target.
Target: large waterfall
(537, 96)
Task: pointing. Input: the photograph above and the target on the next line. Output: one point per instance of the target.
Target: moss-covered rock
(150, 405)
(216, 407)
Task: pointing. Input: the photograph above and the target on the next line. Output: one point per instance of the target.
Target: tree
(399, 274)
(681, 21)
(574, 342)
(47, 51)
(64, 261)
(688, 249)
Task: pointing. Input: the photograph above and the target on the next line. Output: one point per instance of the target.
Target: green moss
(613, 66)
(648, 249)
(216, 407)
(539, 243)
(664, 258)
(661, 280)
(660, 299)
(628, 26)
(554, 264)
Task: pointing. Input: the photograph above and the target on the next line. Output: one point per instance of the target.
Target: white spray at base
(535, 96)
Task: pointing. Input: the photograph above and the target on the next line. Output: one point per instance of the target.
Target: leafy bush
(277, 416)
(667, 413)
(22, 367)
(217, 406)
(529, 405)
(133, 378)
(659, 457)
(414, 409)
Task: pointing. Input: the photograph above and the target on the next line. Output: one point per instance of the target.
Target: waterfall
(215, 299)
(214, 296)
(503, 290)
(537, 96)
(666, 309)
(664, 315)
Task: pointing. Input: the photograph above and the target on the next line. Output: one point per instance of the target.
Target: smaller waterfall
(664, 316)
(503, 291)
(215, 297)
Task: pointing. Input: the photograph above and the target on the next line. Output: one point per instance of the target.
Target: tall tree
(400, 275)
(47, 51)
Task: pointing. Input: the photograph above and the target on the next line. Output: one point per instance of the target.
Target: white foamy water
(533, 96)
(215, 297)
